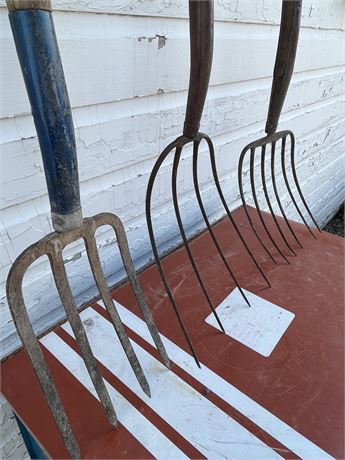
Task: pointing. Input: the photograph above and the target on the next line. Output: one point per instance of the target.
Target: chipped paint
(161, 40)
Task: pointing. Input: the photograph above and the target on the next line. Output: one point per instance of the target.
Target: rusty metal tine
(32, 348)
(119, 229)
(207, 222)
(252, 186)
(268, 201)
(244, 203)
(277, 194)
(177, 157)
(67, 300)
(283, 69)
(283, 164)
(130, 270)
(104, 291)
(150, 184)
(240, 184)
(221, 196)
(294, 173)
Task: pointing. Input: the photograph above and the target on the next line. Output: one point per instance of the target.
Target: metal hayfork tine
(130, 270)
(23, 325)
(201, 42)
(150, 184)
(67, 300)
(268, 201)
(34, 34)
(104, 290)
(227, 210)
(294, 174)
(273, 175)
(252, 186)
(244, 203)
(283, 69)
(283, 165)
(182, 232)
(203, 212)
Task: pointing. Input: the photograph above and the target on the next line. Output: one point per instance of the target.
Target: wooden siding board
(109, 147)
(321, 14)
(95, 65)
(127, 73)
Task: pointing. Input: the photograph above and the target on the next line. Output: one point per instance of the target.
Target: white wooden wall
(126, 64)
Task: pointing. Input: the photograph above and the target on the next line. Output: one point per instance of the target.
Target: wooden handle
(14, 5)
(285, 60)
(201, 53)
(40, 61)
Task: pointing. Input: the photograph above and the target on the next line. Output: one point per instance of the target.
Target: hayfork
(34, 34)
(284, 64)
(201, 43)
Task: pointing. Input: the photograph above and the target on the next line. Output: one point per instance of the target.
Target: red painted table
(240, 404)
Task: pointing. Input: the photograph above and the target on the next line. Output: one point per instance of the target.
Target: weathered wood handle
(285, 60)
(39, 57)
(14, 5)
(201, 53)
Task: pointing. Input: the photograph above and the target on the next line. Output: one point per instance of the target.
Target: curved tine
(283, 165)
(130, 270)
(277, 194)
(32, 348)
(294, 173)
(252, 186)
(207, 222)
(67, 300)
(264, 186)
(150, 184)
(177, 157)
(221, 196)
(240, 185)
(104, 291)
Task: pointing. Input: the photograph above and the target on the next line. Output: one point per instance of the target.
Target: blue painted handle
(38, 53)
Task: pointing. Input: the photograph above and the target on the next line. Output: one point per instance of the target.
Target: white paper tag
(259, 327)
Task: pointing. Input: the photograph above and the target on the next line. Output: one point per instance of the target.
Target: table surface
(240, 404)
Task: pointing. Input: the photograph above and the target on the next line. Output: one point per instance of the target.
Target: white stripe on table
(264, 419)
(139, 426)
(204, 425)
